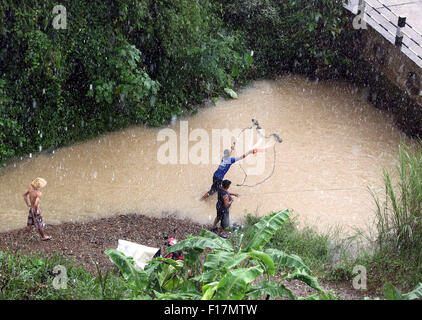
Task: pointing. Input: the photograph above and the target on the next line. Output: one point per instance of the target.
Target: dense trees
(143, 61)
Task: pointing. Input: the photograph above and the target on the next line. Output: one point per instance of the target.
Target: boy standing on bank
(35, 218)
(224, 202)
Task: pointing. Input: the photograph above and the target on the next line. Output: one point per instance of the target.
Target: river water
(334, 148)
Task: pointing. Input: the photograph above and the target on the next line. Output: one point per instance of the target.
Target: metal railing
(397, 30)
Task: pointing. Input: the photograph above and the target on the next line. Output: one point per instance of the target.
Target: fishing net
(264, 142)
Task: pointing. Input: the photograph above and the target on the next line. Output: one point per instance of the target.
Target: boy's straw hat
(39, 183)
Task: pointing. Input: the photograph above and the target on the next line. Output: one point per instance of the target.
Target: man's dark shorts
(216, 183)
(224, 217)
(34, 219)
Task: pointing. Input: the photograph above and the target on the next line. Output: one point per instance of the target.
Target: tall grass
(30, 277)
(399, 220)
(399, 215)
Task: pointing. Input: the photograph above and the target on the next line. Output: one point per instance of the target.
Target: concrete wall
(396, 66)
(398, 87)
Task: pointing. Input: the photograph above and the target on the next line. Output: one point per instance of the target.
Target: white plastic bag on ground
(141, 254)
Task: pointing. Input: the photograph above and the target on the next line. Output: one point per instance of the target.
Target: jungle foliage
(305, 37)
(117, 63)
(126, 62)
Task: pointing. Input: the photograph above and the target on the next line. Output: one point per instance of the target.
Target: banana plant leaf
(231, 93)
(320, 296)
(219, 262)
(306, 278)
(274, 289)
(264, 229)
(234, 284)
(266, 260)
(215, 265)
(287, 260)
(208, 290)
(414, 294)
(206, 239)
(177, 295)
(236, 260)
(138, 279)
(392, 293)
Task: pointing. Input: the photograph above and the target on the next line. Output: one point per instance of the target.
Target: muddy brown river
(335, 145)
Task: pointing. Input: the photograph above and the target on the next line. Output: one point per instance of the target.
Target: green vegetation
(118, 63)
(24, 277)
(399, 221)
(129, 62)
(305, 37)
(328, 253)
(312, 246)
(392, 293)
(399, 216)
(219, 269)
(394, 255)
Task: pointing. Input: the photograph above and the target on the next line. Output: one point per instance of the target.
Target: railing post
(399, 34)
(359, 20)
(361, 8)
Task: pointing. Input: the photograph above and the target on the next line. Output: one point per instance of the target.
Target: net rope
(255, 126)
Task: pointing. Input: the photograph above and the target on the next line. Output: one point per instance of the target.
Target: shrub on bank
(25, 277)
(118, 63)
(295, 36)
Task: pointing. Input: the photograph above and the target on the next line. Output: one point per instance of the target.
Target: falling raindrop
(401, 69)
